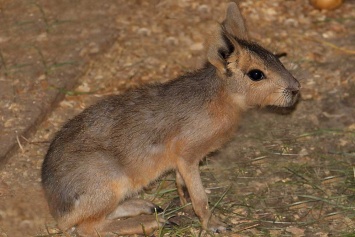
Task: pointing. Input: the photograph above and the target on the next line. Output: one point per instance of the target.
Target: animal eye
(256, 75)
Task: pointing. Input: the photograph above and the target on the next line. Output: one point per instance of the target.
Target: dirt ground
(284, 174)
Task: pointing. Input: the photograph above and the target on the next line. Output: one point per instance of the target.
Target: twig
(220, 199)
(331, 45)
(248, 227)
(19, 144)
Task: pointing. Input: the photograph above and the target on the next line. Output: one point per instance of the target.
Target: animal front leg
(181, 189)
(191, 176)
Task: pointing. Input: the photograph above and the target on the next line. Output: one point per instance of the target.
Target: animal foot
(134, 207)
(217, 226)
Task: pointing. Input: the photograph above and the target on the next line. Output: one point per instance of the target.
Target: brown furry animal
(113, 149)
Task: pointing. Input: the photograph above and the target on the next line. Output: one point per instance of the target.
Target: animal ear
(224, 42)
(234, 22)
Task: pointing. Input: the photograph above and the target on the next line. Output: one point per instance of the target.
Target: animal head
(255, 76)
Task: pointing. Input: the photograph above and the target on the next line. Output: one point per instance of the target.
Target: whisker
(279, 101)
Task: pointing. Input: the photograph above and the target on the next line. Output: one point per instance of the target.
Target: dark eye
(256, 75)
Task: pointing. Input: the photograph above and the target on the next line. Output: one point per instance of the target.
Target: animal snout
(295, 88)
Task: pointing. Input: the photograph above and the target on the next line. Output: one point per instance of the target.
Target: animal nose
(294, 92)
(295, 87)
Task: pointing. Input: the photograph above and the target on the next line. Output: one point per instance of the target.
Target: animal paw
(134, 207)
(217, 226)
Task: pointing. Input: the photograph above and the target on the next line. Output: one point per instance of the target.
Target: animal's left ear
(234, 22)
(224, 42)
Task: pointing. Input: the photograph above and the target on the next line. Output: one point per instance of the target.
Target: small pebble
(172, 41)
(144, 31)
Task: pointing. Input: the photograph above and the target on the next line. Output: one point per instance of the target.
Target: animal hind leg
(84, 225)
(91, 227)
(138, 223)
(90, 211)
(142, 225)
(134, 207)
